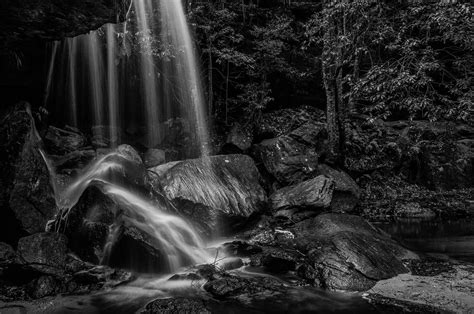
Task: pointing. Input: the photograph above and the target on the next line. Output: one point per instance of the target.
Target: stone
(42, 287)
(61, 141)
(348, 253)
(346, 193)
(135, 250)
(178, 305)
(239, 137)
(154, 157)
(231, 263)
(44, 252)
(213, 191)
(315, 194)
(26, 196)
(7, 254)
(293, 158)
(51, 20)
(129, 153)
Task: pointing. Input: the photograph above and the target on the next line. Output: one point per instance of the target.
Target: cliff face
(25, 20)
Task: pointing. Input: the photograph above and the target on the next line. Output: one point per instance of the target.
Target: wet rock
(449, 291)
(103, 136)
(293, 158)
(63, 141)
(231, 263)
(346, 193)
(42, 287)
(349, 253)
(129, 153)
(315, 194)
(7, 254)
(227, 286)
(87, 223)
(154, 157)
(133, 249)
(44, 252)
(213, 191)
(178, 305)
(239, 137)
(72, 162)
(26, 197)
(101, 276)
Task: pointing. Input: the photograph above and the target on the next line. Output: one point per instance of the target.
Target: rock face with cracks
(26, 196)
(209, 190)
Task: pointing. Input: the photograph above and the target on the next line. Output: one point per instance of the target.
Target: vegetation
(383, 59)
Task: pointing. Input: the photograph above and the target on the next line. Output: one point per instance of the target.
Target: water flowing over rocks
(210, 189)
(26, 196)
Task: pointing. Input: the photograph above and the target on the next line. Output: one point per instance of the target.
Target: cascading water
(140, 79)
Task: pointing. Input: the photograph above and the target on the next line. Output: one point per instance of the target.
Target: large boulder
(154, 157)
(293, 158)
(346, 191)
(347, 253)
(210, 190)
(45, 252)
(316, 193)
(26, 196)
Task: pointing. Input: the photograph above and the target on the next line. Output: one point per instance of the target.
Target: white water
(179, 242)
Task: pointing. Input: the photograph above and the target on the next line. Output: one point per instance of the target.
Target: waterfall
(139, 79)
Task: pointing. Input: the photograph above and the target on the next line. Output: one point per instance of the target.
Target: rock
(315, 194)
(44, 252)
(226, 286)
(60, 142)
(102, 276)
(135, 250)
(178, 305)
(42, 287)
(7, 254)
(213, 191)
(346, 193)
(293, 158)
(50, 20)
(154, 157)
(413, 210)
(87, 224)
(104, 137)
(231, 263)
(73, 162)
(129, 153)
(239, 137)
(26, 196)
(348, 253)
(449, 291)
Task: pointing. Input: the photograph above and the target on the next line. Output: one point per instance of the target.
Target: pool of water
(437, 237)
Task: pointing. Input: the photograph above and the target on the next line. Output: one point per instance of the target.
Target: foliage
(246, 49)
